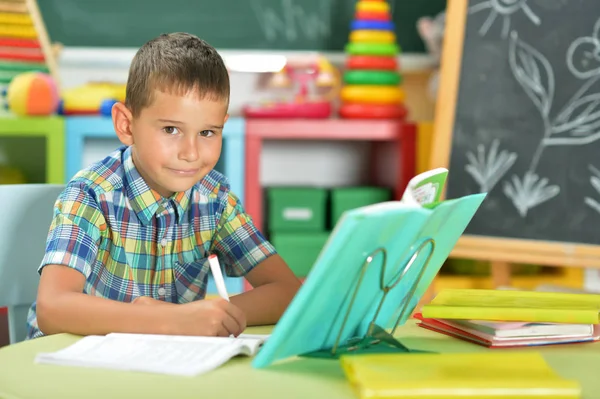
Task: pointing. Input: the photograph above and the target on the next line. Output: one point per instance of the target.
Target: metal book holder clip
(377, 339)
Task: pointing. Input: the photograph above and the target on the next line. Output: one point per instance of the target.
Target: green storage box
(296, 209)
(346, 198)
(299, 250)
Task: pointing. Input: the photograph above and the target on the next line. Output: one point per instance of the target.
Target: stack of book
(501, 319)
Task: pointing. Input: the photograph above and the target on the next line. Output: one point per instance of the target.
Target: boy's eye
(170, 130)
(207, 133)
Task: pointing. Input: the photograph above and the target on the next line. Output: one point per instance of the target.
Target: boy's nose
(189, 150)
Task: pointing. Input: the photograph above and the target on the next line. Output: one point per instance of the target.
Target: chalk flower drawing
(488, 169)
(529, 192)
(503, 8)
(576, 124)
(595, 182)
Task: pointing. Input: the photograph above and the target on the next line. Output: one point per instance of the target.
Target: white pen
(215, 268)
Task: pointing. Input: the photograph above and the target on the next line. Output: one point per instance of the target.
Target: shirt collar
(144, 200)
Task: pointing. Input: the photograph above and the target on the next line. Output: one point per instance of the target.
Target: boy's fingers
(237, 314)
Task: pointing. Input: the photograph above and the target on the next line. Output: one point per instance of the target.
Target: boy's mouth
(184, 172)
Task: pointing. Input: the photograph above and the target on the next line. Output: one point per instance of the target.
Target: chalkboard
(320, 25)
(524, 123)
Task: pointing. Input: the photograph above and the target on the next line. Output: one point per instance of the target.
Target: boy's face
(176, 140)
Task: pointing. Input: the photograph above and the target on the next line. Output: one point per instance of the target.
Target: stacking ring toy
(373, 111)
(378, 6)
(373, 16)
(362, 77)
(371, 62)
(372, 36)
(371, 94)
(361, 24)
(372, 48)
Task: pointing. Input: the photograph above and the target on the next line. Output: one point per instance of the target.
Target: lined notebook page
(175, 355)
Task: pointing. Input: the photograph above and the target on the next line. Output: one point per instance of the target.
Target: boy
(128, 246)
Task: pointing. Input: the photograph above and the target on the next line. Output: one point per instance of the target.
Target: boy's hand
(208, 317)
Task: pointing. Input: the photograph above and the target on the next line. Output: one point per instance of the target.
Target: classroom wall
(322, 163)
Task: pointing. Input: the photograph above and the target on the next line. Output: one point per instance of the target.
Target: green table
(299, 378)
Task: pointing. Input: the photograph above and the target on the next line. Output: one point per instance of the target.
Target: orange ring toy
(373, 111)
(371, 62)
(377, 6)
(371, 94)
(372, 36)
(373, 15)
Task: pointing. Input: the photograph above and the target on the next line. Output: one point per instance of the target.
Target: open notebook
(175, 355)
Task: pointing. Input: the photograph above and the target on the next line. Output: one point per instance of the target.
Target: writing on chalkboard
(576, 123)
(292, 21)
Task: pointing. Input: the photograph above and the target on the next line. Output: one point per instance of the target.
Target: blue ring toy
(367, 24)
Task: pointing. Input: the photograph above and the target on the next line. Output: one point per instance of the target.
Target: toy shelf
(80, 130)
(399, 133)
(35, 145)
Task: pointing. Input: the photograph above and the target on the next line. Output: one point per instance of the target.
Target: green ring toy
(372, 48)
(362, 77)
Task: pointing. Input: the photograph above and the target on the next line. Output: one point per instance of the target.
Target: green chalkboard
(320, 25)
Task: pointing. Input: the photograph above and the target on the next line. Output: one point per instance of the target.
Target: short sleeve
(74, 233)
(238, 243)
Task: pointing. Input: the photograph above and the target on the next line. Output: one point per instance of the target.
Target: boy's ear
(122, 118)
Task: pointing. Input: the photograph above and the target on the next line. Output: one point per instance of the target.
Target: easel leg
(500, 273)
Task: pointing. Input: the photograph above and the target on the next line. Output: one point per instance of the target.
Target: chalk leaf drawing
(529, 192)
(488, 169)
(578, 123)
(595, 182)
(503, 9)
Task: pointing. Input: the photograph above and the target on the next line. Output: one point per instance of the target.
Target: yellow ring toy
(372, 36)
(376, 6)
(372, 94)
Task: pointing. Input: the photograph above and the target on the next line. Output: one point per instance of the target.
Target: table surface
(299, 378)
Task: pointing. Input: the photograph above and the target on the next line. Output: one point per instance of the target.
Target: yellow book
(508, 305)
(454, 375)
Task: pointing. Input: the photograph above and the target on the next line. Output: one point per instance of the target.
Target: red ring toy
(371, 62)
(373, 111)
(373, 15)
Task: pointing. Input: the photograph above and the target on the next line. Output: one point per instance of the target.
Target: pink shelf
(401, 136)
(329, 129)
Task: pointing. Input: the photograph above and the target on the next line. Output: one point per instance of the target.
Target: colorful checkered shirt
(128, 241)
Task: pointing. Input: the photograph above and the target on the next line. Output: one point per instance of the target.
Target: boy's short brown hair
(175, 62)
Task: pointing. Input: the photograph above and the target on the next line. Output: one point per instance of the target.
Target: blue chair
(26, 213)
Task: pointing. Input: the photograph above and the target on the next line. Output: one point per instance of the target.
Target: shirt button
(162, 291)
(163, 242)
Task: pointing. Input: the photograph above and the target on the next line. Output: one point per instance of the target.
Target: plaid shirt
(128, 241)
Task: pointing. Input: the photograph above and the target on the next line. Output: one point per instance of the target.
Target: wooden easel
(499, 251)
(21, 23)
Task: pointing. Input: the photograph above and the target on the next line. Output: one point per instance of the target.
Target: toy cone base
(372, 111)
